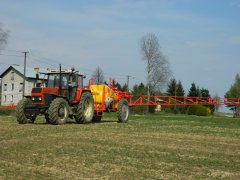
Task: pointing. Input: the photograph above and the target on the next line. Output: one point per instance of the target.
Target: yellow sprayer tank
(102, 94)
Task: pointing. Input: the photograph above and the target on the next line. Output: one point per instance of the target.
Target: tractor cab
(66, 81)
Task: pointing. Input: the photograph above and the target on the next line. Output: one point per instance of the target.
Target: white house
(12, 84)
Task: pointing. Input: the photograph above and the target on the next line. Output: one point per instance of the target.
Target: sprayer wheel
(123, 111)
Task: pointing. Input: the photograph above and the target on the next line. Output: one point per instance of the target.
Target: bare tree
(98, 76)
(158, 70)
(3, 37)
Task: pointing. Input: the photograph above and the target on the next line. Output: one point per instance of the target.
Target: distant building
(12, 84)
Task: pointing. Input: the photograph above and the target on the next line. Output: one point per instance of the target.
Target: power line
(48, 59)
(41, 59)
(43, 62)
(6, 63)
(11, 50)
(67, 65)
(128, 79)
(10, 55)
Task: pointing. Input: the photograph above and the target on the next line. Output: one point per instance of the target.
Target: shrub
(199, 110)
(178, 110)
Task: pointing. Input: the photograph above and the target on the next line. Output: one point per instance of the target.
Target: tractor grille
(37, 99)
(48, 99)
(36, 90)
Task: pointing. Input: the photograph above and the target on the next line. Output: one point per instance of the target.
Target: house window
(5, 87)
(11, 98)
(12, 75)
(12, 86)
(5, 98)
(21, 87)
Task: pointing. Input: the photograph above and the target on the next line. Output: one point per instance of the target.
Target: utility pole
(175, 94)
(128, 79)
(24, 72)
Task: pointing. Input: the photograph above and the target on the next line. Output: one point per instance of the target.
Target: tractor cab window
(68, 80)
(72, 80)
(76, 81)
(64, 81)
(80, 81)
(53, 80)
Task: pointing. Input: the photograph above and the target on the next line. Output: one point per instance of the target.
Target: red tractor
(64, 96)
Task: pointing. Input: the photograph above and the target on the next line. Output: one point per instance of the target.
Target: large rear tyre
(58, 111)
(85, 108)
(21, 116)
(123, 111)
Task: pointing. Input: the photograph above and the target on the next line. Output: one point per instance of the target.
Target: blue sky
(201, 38)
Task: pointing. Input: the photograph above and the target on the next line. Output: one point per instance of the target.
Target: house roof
(30, 73)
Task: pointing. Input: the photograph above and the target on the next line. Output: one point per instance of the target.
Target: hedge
(7, 111)
(199, 110)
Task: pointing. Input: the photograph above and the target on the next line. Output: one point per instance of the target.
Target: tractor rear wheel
(23, 118)
(97, 117)
(123, 111)
(58, 111)
(85, 108)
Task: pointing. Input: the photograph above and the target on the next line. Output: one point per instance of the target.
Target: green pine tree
(204, 93)
(194, 91)
(172, 87)
(180, 89)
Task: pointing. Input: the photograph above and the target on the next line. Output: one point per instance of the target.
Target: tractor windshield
(53, 80)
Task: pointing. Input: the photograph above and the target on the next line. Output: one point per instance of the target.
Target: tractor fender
(86, 90)
(59, 96)
(28, 97)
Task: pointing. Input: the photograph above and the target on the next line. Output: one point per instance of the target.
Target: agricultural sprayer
(63, 96)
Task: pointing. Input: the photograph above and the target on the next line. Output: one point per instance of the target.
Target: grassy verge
(7, 111)
(152, 146)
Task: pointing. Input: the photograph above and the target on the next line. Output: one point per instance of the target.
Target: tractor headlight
(37, 99)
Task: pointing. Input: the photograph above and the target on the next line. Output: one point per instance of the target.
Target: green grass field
(147, 147)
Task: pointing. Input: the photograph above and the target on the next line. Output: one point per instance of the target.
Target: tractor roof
(63, 71)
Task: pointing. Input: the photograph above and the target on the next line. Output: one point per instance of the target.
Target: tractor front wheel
(85, 108)
(58, 111)
(123, 111)
(22, 117)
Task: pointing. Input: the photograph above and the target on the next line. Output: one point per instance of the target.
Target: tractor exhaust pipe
(60, 80)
